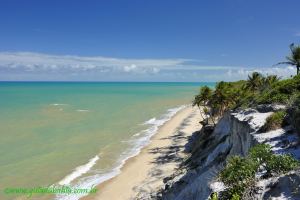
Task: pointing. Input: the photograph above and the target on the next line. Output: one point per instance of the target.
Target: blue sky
(145, 40)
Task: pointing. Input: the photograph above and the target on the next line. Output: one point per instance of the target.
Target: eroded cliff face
(234, 134)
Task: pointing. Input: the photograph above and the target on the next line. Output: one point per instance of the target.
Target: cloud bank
(41, 62)
(28, 66)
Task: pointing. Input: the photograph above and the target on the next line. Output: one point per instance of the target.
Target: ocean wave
(138, 144)
(58, 104)
(150, 121)
(79, 171)
(82, 110)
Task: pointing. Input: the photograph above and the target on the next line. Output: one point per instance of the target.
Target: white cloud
(36, 61)
(37, 66)
(155, 70)
(130, 68)
(243, 73)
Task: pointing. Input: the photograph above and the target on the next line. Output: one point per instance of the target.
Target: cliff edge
(234, 134)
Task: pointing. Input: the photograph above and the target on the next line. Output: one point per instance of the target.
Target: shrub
(238, 174)
(280, 92)
(262, 155)
(272, 97)
(235, 197)
(238, 171)
(214, 196)
(275, 121)
(281, 164)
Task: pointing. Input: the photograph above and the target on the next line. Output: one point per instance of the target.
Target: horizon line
(27, 81)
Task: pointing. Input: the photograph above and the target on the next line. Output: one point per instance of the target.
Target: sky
(145, 40)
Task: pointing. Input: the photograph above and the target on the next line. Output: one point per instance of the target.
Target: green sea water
(79, 133)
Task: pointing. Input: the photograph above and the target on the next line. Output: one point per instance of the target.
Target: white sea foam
(150, 121)
(82, 110)
(79, 171)
(138, 144)
(58, 104)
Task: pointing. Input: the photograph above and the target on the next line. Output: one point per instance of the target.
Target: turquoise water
(79, 133)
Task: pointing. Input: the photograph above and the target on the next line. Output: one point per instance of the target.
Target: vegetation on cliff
(239, 173)
(275, 121)
(257, 90)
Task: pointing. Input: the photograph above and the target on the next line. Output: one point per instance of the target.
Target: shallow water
(79, 133)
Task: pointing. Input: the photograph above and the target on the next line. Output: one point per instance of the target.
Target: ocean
(79, 134)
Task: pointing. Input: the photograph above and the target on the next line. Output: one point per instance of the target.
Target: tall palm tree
(294, 58)
(202, 98)
(254, 82)
(222, 98)
(198, 102)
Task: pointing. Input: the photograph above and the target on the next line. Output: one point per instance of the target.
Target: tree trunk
(200, 112)
(298, 66)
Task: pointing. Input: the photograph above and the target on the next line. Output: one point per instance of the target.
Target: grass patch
(275, 121)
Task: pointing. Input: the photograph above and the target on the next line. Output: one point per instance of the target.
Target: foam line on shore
(79, 171)
(139, 143)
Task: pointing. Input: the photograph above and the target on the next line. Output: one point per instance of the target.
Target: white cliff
(234, 134)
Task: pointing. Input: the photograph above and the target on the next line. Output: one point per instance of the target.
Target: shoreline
(144, 172)
(138, 145)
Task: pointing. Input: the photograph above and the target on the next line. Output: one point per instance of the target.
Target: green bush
(235, 197)
(272, 97)
(281, 164)
(275, 121)
(280, 92)
(274, 164)
(247, 93)
(260, 153)
(239, 173)
(214, 196)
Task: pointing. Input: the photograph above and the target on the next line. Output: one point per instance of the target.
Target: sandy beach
(145, 172)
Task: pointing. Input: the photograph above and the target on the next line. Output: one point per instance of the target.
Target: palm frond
(291, 59)
(285, 63)
(292, 47)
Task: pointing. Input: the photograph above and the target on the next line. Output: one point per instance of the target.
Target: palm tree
(268, 81)
(222, 98)
(271, 79)
(198, 102)
(203, 97)
(254, 82)
(294, 58)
